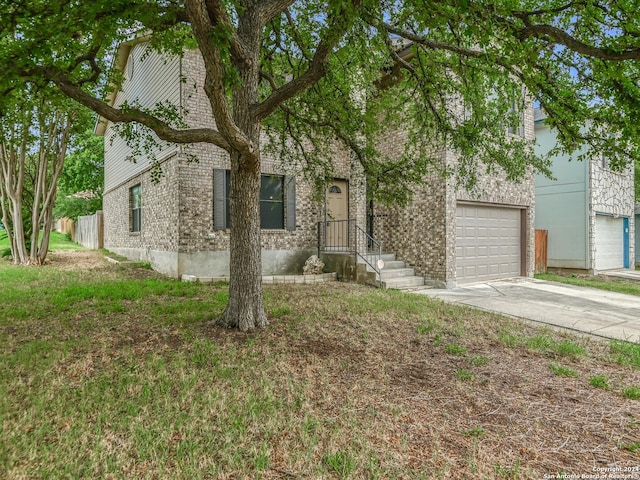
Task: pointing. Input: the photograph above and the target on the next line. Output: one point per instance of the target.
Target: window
(519, 109)
(277, 201)
(135, 202)
(272, 202)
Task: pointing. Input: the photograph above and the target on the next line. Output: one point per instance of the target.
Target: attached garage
(609, 239)
(488, 242)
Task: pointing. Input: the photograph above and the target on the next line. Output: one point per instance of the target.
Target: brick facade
(159, 218)
(424, 232)
(178, 235)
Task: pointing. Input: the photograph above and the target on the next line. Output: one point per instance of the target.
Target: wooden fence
(66, 225)
(541, 251)
(90, 231)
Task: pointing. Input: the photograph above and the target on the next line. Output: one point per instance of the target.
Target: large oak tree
(310, 73)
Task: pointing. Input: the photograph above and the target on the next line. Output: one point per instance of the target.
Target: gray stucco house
(587, 209)
(180, 225)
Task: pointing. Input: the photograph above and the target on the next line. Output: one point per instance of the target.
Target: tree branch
(161, 128)
(560, 37)
(339, 24)
(90, 58)
(547, 11)
(433, 44)
(219, 17)
(203, 27)
(348, 141)
(267, 10)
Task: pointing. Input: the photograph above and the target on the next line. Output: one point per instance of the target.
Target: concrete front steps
(395, 274)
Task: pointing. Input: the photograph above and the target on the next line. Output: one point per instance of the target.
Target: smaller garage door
(488, 243)
(609, 243)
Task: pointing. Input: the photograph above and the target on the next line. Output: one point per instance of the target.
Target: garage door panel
(609, 241)
(491, 243)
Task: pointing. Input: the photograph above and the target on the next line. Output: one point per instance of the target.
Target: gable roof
(539, 115)
(119, 63)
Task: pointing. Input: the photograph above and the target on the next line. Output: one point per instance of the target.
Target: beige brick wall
(177, 233)
(423, 233)
(177, 213)
(159, 215)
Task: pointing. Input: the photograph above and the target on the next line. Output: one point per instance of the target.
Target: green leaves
(427, 73)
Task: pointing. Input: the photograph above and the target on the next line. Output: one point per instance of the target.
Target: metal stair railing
(372, 249)
(347, 236)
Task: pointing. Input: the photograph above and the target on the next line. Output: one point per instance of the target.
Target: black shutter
(219, 199)
(290, 198)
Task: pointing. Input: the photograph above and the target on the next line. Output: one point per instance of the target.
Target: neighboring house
(181, 226)
(587, 209)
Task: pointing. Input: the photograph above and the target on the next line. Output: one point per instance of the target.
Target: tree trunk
(52, 148)
(19, 252)
(245, 309)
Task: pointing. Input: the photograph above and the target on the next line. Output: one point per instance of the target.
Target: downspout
(180, 155)
(180, 93)
(589, 243)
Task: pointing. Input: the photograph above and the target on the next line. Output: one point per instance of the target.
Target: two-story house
(181, 224)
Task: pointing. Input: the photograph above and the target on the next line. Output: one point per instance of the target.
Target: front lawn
(58, 241)
(112, 372)
(602, 282)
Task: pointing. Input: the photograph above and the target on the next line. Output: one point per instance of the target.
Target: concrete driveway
(588, 310)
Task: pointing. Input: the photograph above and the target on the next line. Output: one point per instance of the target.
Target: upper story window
(519, 109)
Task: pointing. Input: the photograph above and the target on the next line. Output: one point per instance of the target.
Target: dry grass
(346, 382)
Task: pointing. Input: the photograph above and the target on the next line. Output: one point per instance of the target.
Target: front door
(337, 231)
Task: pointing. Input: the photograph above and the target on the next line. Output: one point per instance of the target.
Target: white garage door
(488, 243)
(609, 243)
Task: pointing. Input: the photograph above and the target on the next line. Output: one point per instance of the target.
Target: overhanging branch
(203, 27)
(160, 127)
(267, 10)
(561, 37)
(339, 24)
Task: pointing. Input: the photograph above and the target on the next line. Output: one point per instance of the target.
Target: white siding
(154, 79)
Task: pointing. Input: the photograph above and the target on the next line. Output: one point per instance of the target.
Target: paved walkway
(588, 310)
(624, 273)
